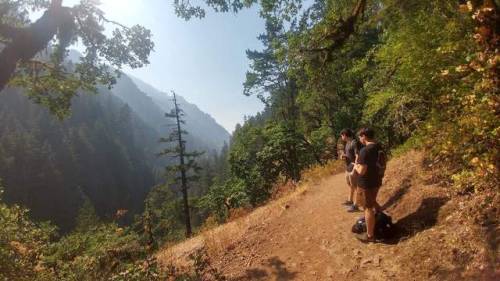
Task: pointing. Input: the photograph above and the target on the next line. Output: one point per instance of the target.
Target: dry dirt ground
(307, 236)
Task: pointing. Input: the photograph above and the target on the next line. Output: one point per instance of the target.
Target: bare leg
(352, 198)
(377, 206)
(370, 221)
(354, 185)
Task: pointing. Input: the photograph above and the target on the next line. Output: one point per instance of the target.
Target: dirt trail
(303, 237)
(311, 240)
(306, 235)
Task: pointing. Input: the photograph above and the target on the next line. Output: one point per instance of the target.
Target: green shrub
(22, 244)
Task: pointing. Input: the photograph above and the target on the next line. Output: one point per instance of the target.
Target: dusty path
(309, 240)
(306, 235)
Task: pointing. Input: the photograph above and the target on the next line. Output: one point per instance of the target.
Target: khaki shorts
(352, 178)
(366, 198)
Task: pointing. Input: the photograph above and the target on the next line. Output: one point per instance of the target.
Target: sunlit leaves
(187, 10)
(22, 243)
(56, 81)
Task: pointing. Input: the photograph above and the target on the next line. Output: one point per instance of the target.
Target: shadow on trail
(423, 218)
(275, 265)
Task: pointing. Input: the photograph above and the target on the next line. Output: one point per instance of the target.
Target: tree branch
(30, 40)
(340, 34)
(103, 18)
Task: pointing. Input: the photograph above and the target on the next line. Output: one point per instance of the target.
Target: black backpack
(384, 228)
(359, 226)
(381, 163)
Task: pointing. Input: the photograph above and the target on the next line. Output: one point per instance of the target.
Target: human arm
(357, 149)
(360, 166)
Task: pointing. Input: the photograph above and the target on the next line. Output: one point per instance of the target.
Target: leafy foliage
(96, 254)
(22, 243)
(100, 251)
(162, 220)
(422, 73)
(469, 108)
(49, 79)
(222, 197)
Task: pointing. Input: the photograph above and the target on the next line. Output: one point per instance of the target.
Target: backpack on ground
(384, 228)
(359, 226)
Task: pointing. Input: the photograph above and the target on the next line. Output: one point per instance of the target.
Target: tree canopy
(422, 73)
(47, 76)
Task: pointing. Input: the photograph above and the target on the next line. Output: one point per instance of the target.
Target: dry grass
(317, 173)
(442, 241)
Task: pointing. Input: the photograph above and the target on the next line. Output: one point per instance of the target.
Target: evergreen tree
(187, 169)
(102, 152)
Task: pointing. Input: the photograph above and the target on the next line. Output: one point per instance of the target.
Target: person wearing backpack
(350, 155)
(370, 168)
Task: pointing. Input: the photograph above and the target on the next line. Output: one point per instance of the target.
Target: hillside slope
(306, 236)
(204, 133)
(199, 124)
(102, 152)
(150, 104)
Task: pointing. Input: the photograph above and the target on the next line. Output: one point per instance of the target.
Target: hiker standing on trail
(369, 181)
(350, 155)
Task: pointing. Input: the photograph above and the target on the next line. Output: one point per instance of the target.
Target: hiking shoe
(347, 203)
(352, 209)
(363, 237)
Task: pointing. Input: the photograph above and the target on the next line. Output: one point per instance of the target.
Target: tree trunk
(187, 215)
(27, 42)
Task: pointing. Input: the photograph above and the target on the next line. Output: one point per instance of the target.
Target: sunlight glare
(118, 7)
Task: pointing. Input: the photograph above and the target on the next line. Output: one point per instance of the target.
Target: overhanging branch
(340, 33)
(28, 41)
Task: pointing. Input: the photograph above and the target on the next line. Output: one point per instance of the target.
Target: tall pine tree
(187, 169)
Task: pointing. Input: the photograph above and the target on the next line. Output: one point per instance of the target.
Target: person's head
(346, 134)
(366, 135)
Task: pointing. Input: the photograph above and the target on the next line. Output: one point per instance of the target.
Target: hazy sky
(202, 60)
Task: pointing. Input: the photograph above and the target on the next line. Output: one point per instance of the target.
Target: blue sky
(202, 60)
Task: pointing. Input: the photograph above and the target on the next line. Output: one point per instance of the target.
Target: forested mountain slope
(103, 152)
(150, 104)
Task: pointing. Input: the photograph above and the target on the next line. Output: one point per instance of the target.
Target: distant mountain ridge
(199, 124)
(151, 104)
